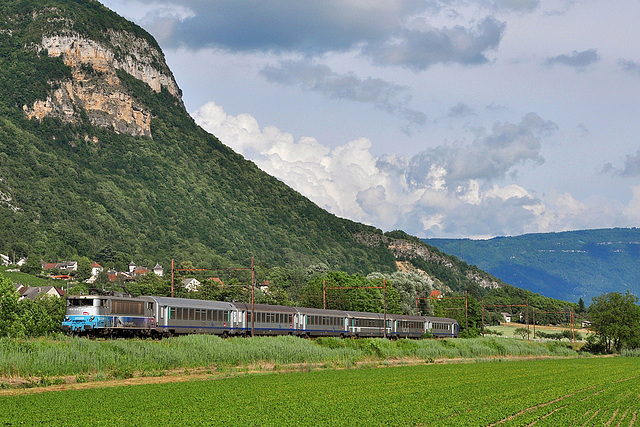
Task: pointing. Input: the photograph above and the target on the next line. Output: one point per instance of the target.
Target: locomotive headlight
(67, 318)
(91, 318)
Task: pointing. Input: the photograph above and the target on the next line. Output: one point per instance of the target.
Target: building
(158, 270)
(62, 266)
(435, 294)
(96, 269)
(190, 284)
(507, 317)
(34, 292)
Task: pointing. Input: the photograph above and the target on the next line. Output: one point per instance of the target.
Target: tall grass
(631, 352)
(80, 356)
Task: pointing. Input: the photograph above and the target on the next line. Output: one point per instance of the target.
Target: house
(436, 294)
(34, 292)
(4, 259)
(62, 266)
(190, 284)
(140, 271)
(507, 317)
(158, 270)
(136, 270)
(96, 269)
(586, 324)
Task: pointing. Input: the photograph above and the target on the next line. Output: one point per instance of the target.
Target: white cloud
(632, 211)
(424, 195)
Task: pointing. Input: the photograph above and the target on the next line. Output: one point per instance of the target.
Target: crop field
(552, 392)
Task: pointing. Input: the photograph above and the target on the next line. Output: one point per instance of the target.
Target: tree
(32, 266)
(580, 305)
(615, 318)
(523, 332)
(9, 309)
(84, 269)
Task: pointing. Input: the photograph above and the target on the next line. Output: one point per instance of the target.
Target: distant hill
(568, 265)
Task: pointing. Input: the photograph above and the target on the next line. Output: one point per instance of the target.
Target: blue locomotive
(163, 316)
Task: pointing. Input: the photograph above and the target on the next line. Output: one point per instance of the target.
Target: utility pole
(171, 277)
(384, 298)
(253, 305)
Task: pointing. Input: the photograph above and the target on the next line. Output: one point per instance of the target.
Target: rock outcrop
(95, 87)
(406, 250)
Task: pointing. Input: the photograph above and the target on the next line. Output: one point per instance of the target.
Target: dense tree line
(26, 317)
(615, 319)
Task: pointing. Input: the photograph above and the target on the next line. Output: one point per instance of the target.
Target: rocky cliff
(95, 88)
(404, 250)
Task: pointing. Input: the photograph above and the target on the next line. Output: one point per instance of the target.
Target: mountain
(568, 265)
(99, 158)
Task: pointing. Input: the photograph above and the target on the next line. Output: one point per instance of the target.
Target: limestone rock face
(95, 86)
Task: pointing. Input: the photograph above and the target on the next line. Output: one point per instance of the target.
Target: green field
(554, 392)
(508, 329)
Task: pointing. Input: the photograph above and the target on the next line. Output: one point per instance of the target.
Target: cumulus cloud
(630, 66)
(445, 190)
(517, 5)
(577, 60)
(488, 157)
(631, 167)
(460, 110)
(387, 96)
(423, 45)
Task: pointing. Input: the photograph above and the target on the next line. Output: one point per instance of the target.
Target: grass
(28, 280)
(81, 357)
(507, 329)
(577, 391)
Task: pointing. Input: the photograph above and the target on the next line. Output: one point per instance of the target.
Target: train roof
(441, 319)
(266, 307)
(321, 312)
(194, 303)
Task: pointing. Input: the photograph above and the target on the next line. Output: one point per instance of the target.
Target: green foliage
(350, 292)
(523, 332)
(27, 317)
(84, 269)
(33, 266)
(548, 310)
(615, 319)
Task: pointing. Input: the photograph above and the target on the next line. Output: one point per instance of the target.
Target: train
(155, 316)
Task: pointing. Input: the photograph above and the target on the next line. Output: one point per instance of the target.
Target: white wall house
(191, 284)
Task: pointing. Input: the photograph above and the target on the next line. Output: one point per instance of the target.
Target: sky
(442, 118)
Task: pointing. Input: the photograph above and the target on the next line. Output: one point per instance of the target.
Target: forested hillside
(76, 181)
(567, 266)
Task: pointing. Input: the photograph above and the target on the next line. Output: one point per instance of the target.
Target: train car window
(172, 313)
(225, 316)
